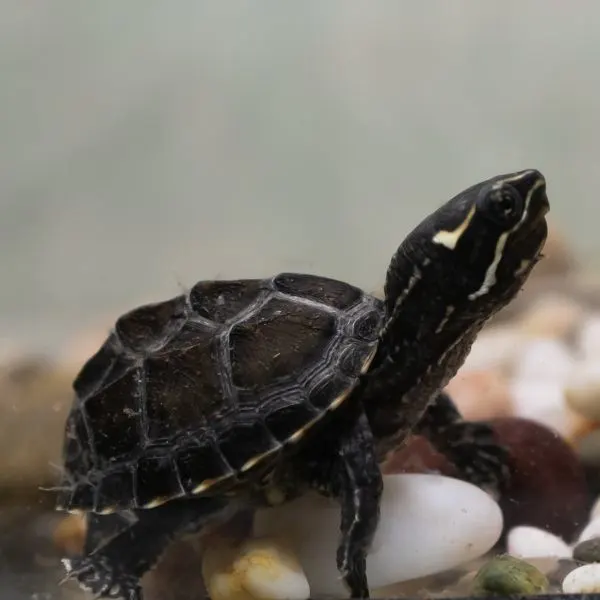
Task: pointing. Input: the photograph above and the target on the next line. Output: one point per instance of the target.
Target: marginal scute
(112, 489)
(95, 368)
(82, 496)
(220, 301)
(200, 463)
(150, 326)
(113, 416)
(278, 342)
(156, 477)
(244, 439)
(330, 390)
(327, 291)
(352, 359)
(287, 419)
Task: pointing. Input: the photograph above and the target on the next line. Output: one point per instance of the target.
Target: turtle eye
(503, 205)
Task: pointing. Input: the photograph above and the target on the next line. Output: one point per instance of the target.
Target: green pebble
(508, 575)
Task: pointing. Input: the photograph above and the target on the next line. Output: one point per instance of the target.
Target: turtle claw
(471, 446)
(94, 575)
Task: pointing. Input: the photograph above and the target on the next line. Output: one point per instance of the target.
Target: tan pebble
(551, 316)
(582, 391)
(583, 580)
(258, 569)
(481, 395)
(69, 535)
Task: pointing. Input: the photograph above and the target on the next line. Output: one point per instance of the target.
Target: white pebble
(429, 523)
(588, 341)
(582, 392)
(544, 359)
(258, 569)
(591, 530)
(583, 580)
(530, 542)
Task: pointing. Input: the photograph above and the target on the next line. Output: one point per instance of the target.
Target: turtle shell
(186, 396)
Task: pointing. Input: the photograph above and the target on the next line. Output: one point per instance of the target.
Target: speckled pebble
(583, 580)
(258, 569)
(505, 575)
(588, 551)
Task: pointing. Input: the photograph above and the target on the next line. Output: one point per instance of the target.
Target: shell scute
(327, 291)
(149, 327)
(113, 487)
(328, 391)
(200, 462)
(287, 417)
(182, 389)
(83, 494)
(278, 342)
(243, 437)
(96, 367)
(368, 326)
(220, 301)
(156, 478)
(113, 415)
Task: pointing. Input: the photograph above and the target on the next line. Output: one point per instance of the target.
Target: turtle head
(473, 254)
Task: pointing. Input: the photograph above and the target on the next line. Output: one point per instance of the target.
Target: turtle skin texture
(251, 392)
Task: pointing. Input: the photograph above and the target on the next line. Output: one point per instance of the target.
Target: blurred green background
(145, 145)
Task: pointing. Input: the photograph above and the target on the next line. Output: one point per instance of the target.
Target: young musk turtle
(246, 392)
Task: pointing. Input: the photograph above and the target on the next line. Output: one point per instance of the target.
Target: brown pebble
(418, 456)
(547, 488)
(588, 551)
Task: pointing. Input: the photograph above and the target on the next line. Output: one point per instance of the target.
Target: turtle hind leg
(114, 569)
(348, 470)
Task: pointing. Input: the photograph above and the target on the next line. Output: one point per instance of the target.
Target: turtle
(250, 392)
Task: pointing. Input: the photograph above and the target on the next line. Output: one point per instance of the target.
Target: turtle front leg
(469, 445)
(114, 569)
(349, 471)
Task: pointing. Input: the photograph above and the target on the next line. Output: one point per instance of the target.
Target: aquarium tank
(299, 300)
